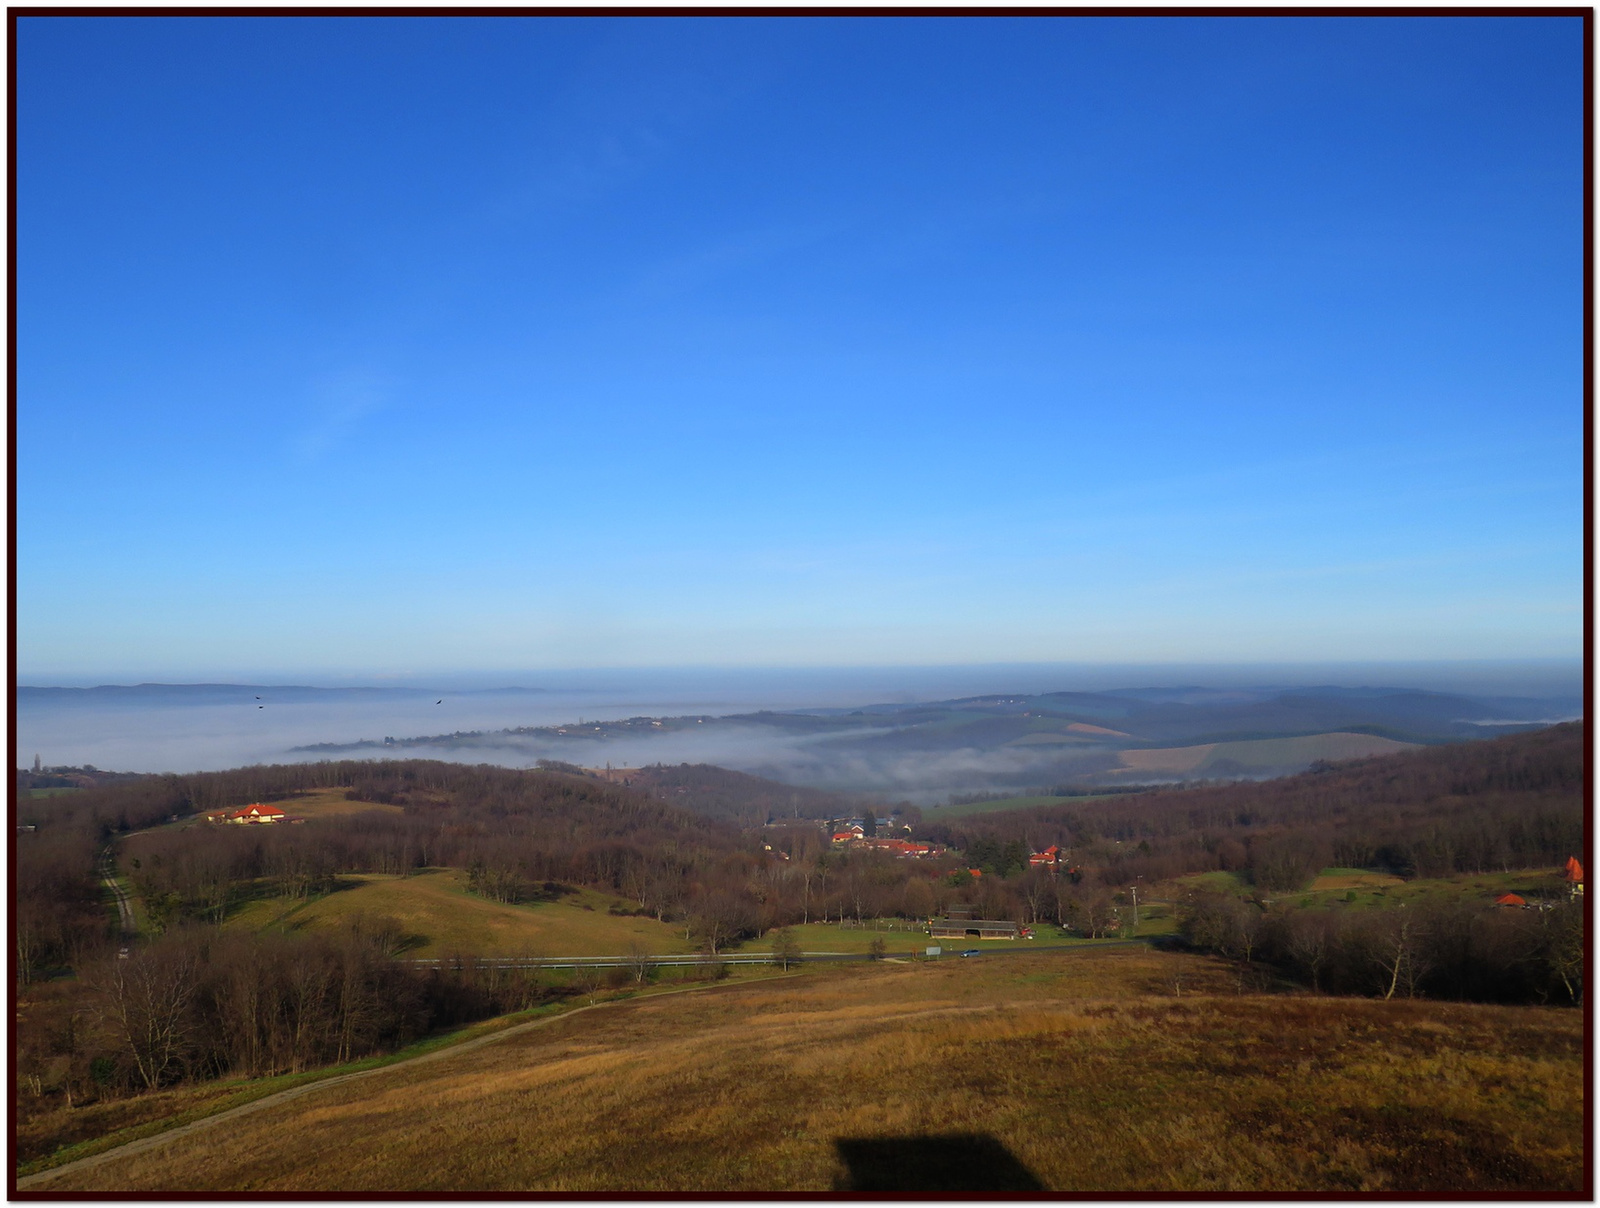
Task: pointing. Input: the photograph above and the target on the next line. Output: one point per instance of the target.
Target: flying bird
(261, 706)
(438, 702)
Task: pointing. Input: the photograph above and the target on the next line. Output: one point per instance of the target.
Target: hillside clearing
(1260, 754)
(435, 909)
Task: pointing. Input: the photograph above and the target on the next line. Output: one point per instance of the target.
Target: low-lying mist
(860, 731)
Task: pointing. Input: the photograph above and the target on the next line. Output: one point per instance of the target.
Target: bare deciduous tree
(145, 1000)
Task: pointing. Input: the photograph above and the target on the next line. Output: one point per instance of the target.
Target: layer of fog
(156, 730)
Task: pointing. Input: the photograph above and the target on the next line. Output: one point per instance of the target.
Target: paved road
(752, 958)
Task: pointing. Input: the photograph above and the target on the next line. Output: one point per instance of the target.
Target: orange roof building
(249, 814)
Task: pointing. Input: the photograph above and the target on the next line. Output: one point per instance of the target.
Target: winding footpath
(37, 1181)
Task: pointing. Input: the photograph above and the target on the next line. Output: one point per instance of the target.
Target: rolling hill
(924, 752)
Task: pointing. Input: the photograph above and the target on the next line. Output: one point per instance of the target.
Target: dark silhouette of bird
(261, 706)
(438, 702)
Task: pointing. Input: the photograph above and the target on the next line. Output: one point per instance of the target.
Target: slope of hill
(438, 917)
(1103, 1073)
(1260, 757)
(734, 796)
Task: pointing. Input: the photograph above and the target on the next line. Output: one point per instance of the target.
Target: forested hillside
(1513, 802)
(736, 796)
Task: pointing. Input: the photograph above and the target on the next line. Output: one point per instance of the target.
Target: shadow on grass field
(1086, 1069)
(959, 1162)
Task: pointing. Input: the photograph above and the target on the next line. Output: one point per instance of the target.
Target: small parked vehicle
(973, 952)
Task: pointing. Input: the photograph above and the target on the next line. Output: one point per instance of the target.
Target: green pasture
(1368, 888)
(900, 937)
(442, 918)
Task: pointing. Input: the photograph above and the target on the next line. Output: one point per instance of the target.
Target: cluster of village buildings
(1572, 875)
(853, 834)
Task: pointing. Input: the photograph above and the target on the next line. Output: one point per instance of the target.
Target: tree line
(1454, 948)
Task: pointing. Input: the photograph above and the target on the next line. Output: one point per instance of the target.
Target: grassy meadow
(1262, 753)
(329, 803)
(1369, 889)
(1108, 1071)
(442, 918)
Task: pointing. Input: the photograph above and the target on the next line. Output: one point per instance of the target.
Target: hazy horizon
(185, 728)
(1477, 675)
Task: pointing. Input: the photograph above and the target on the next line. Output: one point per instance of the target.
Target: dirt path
(108, 877)
(233, 1113)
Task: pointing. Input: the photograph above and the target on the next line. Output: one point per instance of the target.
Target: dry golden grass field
(328, 803)
(1072, 1072)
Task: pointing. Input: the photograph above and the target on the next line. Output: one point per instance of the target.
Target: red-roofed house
(1510, 899)
(251, 813)
(1049, 857)
(1574, 876)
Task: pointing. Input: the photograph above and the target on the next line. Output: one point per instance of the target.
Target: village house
(250, 814)
(1048, 858)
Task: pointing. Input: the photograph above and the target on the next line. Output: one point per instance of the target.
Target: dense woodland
(193, 1001)
(1466, 807)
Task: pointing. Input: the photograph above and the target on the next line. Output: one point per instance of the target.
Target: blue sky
(389, 345)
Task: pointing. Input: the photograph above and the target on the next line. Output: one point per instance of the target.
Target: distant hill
(927, 751)
(1512, 802)
(738, 797)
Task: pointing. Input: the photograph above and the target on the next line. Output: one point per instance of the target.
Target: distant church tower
(36, 761)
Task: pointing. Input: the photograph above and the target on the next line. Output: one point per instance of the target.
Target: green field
(907, 938)
(435, 909)
(1371, 888)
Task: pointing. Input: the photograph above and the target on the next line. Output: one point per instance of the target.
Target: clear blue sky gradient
(385, 345)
